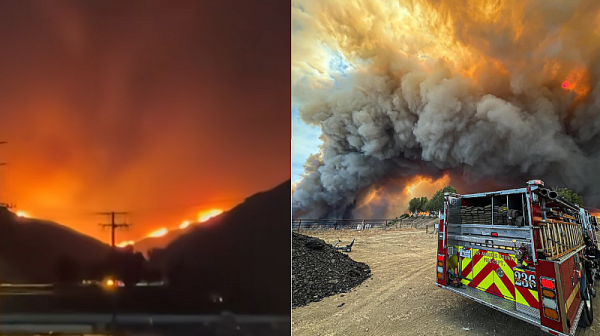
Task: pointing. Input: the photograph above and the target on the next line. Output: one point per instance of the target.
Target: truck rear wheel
(587, 315)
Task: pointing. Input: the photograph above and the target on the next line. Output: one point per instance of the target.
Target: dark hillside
(30, 248)
(243, 254)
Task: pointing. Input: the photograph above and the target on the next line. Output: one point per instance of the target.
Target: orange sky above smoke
(155, 108)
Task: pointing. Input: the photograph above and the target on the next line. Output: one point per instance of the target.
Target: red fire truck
(526, 252)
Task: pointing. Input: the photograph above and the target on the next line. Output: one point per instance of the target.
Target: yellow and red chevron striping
(506, 283)
(528, 295)
(493, 273)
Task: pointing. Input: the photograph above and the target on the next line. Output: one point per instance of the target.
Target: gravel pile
(319, 271)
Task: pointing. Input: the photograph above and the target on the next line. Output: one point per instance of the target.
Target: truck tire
(587, 315)
(588, 271)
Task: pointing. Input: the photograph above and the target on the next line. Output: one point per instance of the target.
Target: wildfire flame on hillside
(126, 243)
(203, 216)
(22, 213)
(208, 214)
(158, 233)
(184, 224)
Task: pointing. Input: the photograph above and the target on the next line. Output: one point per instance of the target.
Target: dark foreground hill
(30, 248)
(241, 255)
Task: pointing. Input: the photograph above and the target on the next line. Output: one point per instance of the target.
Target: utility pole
(4, 164)
(112, 261)
(113, 225)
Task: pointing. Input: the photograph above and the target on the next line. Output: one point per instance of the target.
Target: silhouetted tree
(154, 254)
(570, 196)
(126, 265)
(67, 270)
(132, 267)
(437, 201)
(417, 204)
(422, 205)
(413, 205)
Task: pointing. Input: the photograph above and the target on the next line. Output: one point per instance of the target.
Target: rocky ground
(319, 271)
(400, 297)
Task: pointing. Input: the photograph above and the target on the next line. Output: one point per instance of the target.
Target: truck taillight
(440, 266)
(551, 313)
(549, 298)
(547, 283)
(548, 293)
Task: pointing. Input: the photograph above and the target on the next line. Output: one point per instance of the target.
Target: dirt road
(401, 298)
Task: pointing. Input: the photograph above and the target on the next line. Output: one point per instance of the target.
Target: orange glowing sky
(160, 109)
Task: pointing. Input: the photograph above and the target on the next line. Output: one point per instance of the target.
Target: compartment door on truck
(484, 271)
(504, 279)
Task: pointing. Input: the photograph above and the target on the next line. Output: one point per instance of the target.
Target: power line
(113, 225)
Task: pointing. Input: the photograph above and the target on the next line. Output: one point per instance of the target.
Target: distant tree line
(123, 264)
(422, 204)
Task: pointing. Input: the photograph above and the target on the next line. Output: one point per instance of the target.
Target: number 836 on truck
(527, 252)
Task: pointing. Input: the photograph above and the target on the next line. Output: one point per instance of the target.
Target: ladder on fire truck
(558, 238)
(559, 233)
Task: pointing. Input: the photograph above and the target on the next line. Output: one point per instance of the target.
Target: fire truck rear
(526, 252)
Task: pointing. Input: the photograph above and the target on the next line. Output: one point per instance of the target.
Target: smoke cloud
(479, 91)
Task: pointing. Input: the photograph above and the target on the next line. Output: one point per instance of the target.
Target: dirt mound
(319, 271)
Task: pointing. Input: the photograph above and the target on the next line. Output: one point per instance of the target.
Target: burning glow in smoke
(501, 90)
(208, 214)
(390, 199)
(158, 233)
(578, 81)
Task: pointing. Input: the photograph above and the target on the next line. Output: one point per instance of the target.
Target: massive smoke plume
(474, 90)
